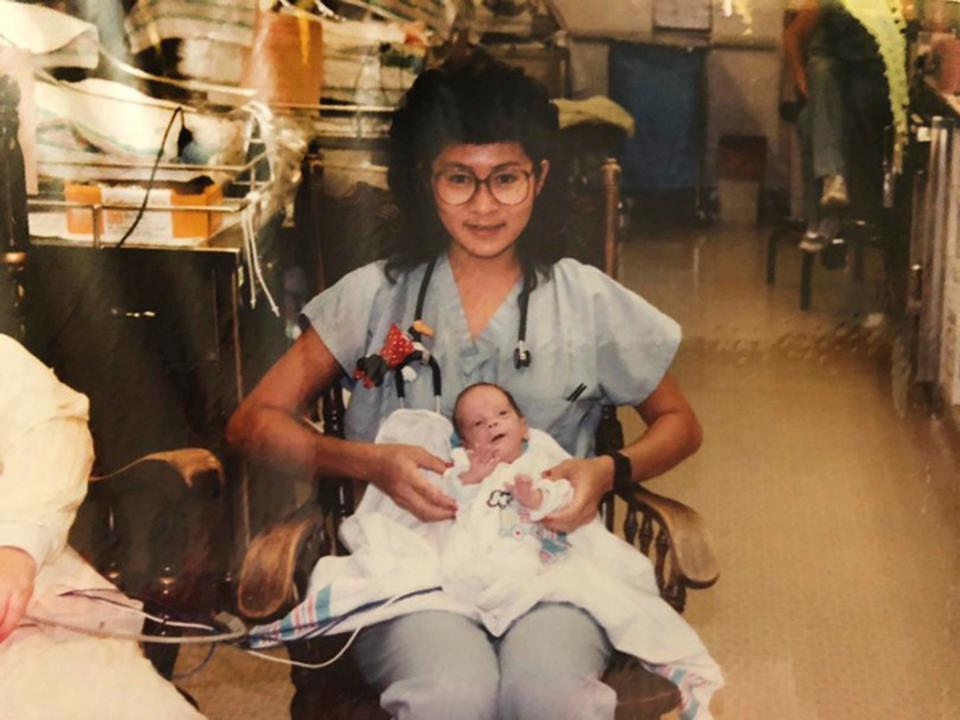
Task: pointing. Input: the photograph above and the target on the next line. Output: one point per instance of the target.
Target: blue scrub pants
(435, 665)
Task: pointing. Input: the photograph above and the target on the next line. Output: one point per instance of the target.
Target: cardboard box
(741, 157)
(154, 225)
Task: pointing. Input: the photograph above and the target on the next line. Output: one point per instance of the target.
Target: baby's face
(488, 422)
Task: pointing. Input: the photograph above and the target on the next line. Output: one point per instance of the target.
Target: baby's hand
(526, 494)
(482, 463)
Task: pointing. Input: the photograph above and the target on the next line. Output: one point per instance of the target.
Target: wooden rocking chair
(157, 530)
(278, 562)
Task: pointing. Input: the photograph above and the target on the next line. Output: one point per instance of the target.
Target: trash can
(740, 164)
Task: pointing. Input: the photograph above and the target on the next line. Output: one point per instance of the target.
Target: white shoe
(812, 241)
(834, 192)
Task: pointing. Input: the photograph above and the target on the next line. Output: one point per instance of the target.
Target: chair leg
(772, 256)
(163, 658)
(858, 259)
(806, 277)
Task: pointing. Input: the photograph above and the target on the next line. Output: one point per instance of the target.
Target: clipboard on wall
(687, 15)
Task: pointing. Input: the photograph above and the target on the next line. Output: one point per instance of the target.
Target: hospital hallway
(832, 504)
(832, 501)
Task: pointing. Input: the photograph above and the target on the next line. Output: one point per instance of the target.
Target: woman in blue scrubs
(471, 153)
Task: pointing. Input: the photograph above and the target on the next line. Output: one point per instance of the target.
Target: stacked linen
(364, 62)
(212, 60)
(215, 35)
(97, 119)
(227, 21)
(97, 130)
(52, 38)
(437, 15)
(370, 62)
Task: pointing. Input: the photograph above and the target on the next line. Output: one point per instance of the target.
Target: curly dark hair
(474, 100)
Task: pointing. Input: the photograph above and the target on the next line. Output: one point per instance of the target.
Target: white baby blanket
(489, 564)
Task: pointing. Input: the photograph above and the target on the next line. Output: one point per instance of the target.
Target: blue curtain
(661, 87)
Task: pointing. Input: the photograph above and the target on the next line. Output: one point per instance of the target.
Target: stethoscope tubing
(521, 355)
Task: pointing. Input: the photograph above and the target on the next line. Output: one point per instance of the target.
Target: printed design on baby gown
(515, 522)
(499, 499)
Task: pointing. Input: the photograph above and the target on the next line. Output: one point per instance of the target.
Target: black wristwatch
(622, 474)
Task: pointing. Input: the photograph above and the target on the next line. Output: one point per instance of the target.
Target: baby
(494, 432)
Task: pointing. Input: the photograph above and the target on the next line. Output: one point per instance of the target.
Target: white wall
(589, 61)
(614, 17)
(751, 20)
(743, 97)
(743, 69)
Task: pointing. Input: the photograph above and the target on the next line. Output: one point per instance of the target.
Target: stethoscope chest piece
(521, 356)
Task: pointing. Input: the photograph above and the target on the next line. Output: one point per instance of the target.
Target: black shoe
(834, 255)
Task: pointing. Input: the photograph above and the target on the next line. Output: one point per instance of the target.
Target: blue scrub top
(582, 327)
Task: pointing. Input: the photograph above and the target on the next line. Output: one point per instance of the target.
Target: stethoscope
(521, 355)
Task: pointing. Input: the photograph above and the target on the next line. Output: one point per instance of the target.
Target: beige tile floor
(833, 508)
(833, 503)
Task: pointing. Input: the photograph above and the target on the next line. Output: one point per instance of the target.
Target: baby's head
(486, 416)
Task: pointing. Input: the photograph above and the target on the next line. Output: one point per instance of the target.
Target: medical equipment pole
(14, 233)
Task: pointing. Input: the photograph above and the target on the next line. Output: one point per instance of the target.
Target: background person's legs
(551, 661)
(825, 117)
(867, 116)
(430, 665)
(821, 125)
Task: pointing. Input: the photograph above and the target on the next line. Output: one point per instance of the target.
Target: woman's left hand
(591, 479)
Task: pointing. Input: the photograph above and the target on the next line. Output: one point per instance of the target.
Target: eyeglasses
(510, 186)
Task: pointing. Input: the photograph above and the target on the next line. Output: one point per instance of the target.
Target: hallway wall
(743, 70)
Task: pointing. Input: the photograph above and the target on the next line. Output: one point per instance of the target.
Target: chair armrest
(277, 565)
(157, 528)
(676, 539)
(689, 538)
(189, 463)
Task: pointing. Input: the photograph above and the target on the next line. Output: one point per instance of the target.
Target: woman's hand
(17, 570)
(396, 471)
(591, 479)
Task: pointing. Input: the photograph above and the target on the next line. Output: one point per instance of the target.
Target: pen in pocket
(577, 392)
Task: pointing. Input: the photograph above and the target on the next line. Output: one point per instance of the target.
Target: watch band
(622, 473)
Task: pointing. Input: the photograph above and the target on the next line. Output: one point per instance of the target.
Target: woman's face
(485, 226)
